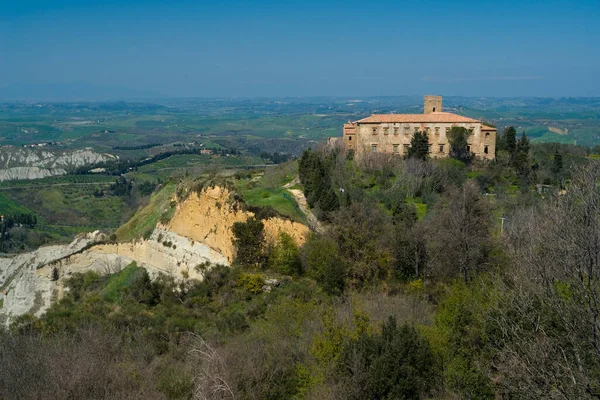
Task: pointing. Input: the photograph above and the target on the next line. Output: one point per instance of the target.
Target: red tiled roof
(487, 128)
(416, 118)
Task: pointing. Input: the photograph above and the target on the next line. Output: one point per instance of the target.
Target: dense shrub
(393, 364)
(249, 242)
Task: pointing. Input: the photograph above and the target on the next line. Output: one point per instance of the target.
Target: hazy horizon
(298, 49)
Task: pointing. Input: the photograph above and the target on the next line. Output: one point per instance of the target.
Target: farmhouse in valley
(391, 133)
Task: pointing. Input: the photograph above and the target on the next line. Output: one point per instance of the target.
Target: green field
(59, 180)
(71, 205)
(273, 124)
(64, 207)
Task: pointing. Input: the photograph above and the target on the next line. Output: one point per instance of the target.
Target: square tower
(432, 104)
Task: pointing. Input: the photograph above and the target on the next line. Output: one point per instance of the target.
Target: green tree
(557, 163)
(320, 261)
(419, 146)
(365, 239)
(394, 364)
(459, 146)
(248, 241)
(461, 337)
(313, 171)
(510, 139)
(285, 256)
(521, 158)
(328, 202)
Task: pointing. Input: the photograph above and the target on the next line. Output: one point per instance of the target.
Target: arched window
(433, 109)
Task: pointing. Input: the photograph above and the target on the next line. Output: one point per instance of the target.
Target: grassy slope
(119, 281)
(280, 199)
(146, 218)
(268, 191)
(8, 206)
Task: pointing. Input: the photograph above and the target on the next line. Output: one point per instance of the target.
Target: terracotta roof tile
(416, 118)
(487, 128)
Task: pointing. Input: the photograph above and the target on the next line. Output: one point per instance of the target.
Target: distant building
(206, 151)
(391, 133)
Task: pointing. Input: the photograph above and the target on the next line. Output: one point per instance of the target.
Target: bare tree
(211, 383)
(549, 316)
(460, 232)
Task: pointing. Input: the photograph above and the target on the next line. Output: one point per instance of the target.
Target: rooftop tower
(432, 104)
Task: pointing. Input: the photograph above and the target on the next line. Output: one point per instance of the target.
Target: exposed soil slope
(209, 217)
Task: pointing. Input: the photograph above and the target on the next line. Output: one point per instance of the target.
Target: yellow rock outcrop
(209, 218)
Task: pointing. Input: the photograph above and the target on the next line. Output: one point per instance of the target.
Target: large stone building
(391, 133)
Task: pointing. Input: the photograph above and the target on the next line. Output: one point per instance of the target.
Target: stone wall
(400, 134)
(432, 104)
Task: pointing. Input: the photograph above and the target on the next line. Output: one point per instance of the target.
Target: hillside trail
(313, 222)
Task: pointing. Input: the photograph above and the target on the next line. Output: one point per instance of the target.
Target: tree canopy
(419, 146)
(459, 147)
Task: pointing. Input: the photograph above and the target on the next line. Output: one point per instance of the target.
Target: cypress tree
(521, 157)
(459, 146)
(419, 146)
(557, 164)
(510, 139)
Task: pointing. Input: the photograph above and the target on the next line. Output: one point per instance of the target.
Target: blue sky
(306, 48)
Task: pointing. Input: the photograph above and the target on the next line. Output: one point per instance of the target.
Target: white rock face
(30, 282)
(26, 163)
(22, 173)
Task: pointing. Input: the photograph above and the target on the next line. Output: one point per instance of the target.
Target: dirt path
(313, 222)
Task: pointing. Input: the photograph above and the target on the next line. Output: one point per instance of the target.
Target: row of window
(386, 130)
(396, 148)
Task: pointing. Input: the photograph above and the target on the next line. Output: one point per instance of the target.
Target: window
(396, 129)
(374, 130)
(441, 148)
(469, 147)
(429, 148)
(416, 129)
(396, 148)
(427, 130)
(437, 130)
(486, 149)
(374, 148)
(349, 137)
(433, 109)
(487, 134)
(405, 148)
(386, 130)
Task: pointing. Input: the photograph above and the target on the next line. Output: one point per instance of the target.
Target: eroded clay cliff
(209, 217)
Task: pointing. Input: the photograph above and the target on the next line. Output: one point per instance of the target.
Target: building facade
(392, 133)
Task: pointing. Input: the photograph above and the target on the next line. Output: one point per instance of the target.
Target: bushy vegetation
(436, 279)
